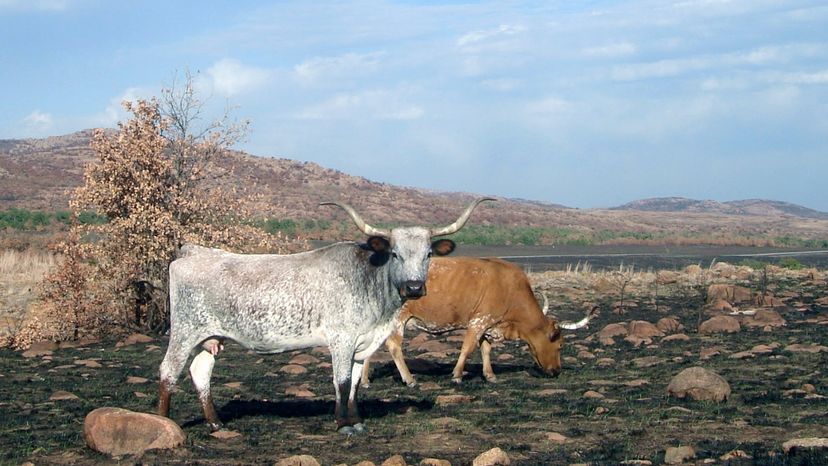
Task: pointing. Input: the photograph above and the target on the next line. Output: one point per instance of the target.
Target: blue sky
(582, 103)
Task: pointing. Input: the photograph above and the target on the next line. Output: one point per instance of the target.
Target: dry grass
(20, 272)
(26, 266)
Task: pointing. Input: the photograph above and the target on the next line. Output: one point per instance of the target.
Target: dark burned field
(635, 419)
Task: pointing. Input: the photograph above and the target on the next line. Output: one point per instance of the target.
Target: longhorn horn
(545, 309)
(581, 323)
(449, 229)
(363, 227)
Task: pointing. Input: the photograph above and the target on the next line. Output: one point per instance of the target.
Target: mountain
(40, 173)
(760, 207)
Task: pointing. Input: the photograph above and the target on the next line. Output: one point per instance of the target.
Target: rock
(731, 293)
(365, 463)
(802, 348)
(764, 317)
(720, 324)
(434, 462)
(676, 337)
(552, 391)
(225, 434)
(719, 306)
(637, 383)
(585, 355)
(555, 437)
(136, 380)
(768, 300)
(592, 394)
(763, 349)
(298, 460)
(118, 431)
(677, 455)
(742, 355)
(396, 460)
(233, 385)
(299, 392)
(808, 388)
(304, 359)
(647, 361)
(600, 410)
(434, 346)
(693, 269)
(699, 384)
(606, 335)
(493, 457)
(643, 329)
(445, 400)
(707, 353)
(501, 357)
(92, 364)
(669, 325)
(735, 454)
(134, 339)
(293, 369)
(606, 362)
(636, 462)
(803, 443)
(40, 348)
(61, 395)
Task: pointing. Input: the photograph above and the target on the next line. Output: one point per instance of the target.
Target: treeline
(484, 235)
(33, 220)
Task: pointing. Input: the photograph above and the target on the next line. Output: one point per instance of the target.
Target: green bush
(790, 263)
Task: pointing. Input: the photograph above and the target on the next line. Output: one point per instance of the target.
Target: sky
(585, 103)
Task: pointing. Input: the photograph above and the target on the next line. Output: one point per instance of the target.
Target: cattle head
(546, 345)
(408, 250)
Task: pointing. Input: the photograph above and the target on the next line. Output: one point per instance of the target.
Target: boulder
(133, 339)
(117, 431)
(803, 443)
(764, 318)
(643, 329)
(605, 336)
(669, 324)
(678, 455)
(434, 462)
(493, 457)
(676, 337)
(733, 294)
(298, 460)
(40, 348)
(718, 306)
(699, 384)
(720, 324)
(396, 460)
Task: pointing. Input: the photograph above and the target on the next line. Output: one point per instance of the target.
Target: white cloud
(619, 49)
(376, 104)
(35, 5)
(477, 37)
(114, 111)
(230, 77)
(349, 64)
(38, 122)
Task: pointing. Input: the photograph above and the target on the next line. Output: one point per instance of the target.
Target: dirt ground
(630, 418)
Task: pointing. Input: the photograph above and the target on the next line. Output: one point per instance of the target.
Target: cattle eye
(394, 255)
(430, 253)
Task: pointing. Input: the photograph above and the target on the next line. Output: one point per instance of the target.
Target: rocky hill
(39, 174)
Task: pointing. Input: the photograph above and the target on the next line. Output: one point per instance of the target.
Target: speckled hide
(346, 296)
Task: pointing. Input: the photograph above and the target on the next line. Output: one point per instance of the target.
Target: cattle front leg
(347, 374)
(485, 351)
(394, 345)
(201, 370)
(469, 345)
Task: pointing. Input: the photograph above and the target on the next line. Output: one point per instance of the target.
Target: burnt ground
(635, 419)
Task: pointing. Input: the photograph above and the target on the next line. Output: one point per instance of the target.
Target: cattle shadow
(436, 369)
(369, 408)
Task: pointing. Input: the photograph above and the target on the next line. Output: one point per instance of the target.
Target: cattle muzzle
(413, 289)
(546, 373)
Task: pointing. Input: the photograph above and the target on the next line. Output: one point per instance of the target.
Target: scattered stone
(808, 388)
(676, 337)
(585, 355)
(699, 384)
(298, 460)
(555, 437)
(88, 363)
(225, 434)
(552, 391)
(140, 394)
(293, 369)
(803, 443)
(643, 329)
(299, 392)
(763, 349)
(735, 454)
(396, 460)
(500, 357)
(61, 395)
(802, 348)
(647, 361)
(669, 325)
(118, 431)
(136, 380)
(234, 385)
(637, 383)
(600, 410)
(592, 394)
(429, 386)
(730, 293)
(133, 339)
(707, 353)
(677, 455)
(445, 400)
(606, 362)
(365, 463)
(743, 355)
(434, 462)
(304, 359)
(693, 269)
(606, 335)
(720, 324)
(493, 457)
(40, 348)
(719, 306)
(765, 318)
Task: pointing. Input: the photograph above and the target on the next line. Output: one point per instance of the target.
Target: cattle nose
(413, 289)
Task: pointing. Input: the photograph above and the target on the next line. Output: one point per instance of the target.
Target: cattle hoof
(351, 430)
(457, 380)
(491, 379)
(411, 384)
(215, 426)
(365, 385)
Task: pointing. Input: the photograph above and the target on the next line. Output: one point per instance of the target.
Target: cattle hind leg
(201, 370)
(486, 353)
(171, 367)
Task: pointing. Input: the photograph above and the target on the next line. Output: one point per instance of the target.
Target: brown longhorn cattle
(493, 300)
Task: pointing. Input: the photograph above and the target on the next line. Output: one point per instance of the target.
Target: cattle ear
(378, 244)
(554, 330)
(443, 247)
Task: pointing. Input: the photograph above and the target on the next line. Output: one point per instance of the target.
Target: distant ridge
(758, 207)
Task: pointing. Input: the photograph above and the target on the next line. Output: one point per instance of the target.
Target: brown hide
(490, 297)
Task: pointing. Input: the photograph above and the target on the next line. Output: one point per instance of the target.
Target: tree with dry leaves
(157, 180)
